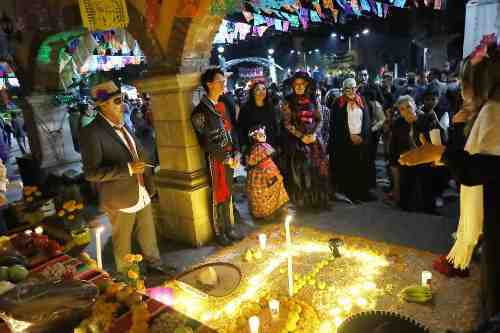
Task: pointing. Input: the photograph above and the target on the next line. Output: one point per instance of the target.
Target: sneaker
(439, 202)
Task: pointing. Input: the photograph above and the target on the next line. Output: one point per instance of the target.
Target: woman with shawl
(307, 164)
(476, 168)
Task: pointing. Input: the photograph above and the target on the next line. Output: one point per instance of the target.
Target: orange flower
(138, 258)
(69, 204)
(61, 213)
(132, 275)
(79, 206)
(129, 258)
(140, 285)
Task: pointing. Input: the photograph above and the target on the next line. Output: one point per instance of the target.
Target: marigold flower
(132, 275)
(61, 213)
(129, 258)
(138, 258)
(79, 206)
(140, 285)
(69, 204)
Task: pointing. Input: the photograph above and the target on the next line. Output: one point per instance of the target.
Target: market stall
(43, 289)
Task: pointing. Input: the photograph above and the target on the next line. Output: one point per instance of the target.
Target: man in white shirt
(117, 163)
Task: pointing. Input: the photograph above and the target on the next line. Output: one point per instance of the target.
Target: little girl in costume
(265, 189)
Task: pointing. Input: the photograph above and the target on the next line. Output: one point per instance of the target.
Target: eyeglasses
(118, 100)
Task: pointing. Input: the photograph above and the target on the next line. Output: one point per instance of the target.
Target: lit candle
(98, 232)
(288, 234)
(262, 241)
(274, 307)
(362, 302)
(254, 324)
(290, 275)
(28, 232)
(426, 278)
(39, 230)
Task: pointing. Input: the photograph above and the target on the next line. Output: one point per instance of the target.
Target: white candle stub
(274, 307)
(39, 230)
(262, 241)
(254, 324)
(426, 278)
(28, 232)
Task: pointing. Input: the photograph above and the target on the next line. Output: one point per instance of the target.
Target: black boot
(233, 235)
(229, 228)
(223, 240)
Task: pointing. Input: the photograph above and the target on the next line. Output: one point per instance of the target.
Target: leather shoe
(223, 240)
(233, 235)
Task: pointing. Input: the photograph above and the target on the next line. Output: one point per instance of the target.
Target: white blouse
(354, 118)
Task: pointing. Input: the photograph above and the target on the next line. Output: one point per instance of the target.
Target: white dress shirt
(144, 198)
(354, 118)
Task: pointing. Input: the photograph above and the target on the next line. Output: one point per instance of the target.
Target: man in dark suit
(116, 162)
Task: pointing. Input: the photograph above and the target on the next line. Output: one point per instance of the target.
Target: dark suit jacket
(105, 162)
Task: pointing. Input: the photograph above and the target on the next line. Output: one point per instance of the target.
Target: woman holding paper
(476, 168)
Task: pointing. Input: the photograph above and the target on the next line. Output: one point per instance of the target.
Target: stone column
(182, 183)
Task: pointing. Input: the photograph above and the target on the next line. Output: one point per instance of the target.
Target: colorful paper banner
(315, 18)
(103, 14)
(400, 3)
(304, 17)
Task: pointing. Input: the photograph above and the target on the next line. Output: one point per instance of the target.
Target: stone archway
(183, 211)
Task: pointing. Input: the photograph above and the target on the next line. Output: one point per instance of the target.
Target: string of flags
(283, 15)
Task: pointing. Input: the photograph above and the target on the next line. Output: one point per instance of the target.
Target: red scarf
(343, 101)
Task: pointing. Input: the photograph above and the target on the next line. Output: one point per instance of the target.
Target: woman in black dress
(476, 168)
(259, 111)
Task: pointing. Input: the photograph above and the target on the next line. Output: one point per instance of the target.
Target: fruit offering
(417, 294)
(14, 273)
(59, 271)
(114, 298)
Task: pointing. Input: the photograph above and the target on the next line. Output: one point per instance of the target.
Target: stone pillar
(183, 212)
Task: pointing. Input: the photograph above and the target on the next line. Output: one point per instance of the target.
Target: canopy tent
(65, 57)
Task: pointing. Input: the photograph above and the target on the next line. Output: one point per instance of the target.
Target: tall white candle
(98, 232)
(288, 233)
(254, 324)
(290, 275)
(262, 241)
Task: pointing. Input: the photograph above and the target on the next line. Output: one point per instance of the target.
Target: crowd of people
(318, 138)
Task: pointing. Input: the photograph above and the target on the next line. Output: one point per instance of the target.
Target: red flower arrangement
(443, 266)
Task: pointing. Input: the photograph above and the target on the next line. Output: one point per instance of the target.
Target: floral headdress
(257, 130)
(481, 51)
